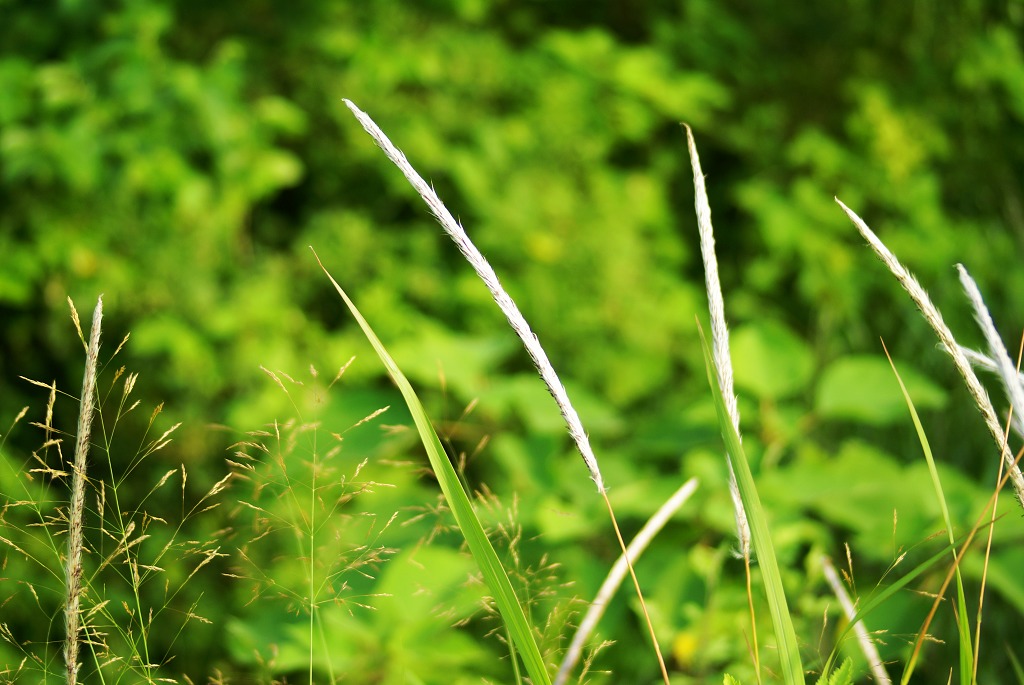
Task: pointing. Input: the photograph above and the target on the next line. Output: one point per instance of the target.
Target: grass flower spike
(77, 505)
(719, 330)
(483, 269)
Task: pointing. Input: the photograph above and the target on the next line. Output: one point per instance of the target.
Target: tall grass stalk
(77, 505)
(722, 368)
(934, 318)
(505, 303)
(530, 341)
(760, 537)
(719, 329)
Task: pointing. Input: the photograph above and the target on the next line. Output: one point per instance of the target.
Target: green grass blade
(1017, 670)
(458, 501)
(789, 647)
(966, 650)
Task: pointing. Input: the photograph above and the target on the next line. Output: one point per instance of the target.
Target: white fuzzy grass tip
(719, 330)
(1005, 368)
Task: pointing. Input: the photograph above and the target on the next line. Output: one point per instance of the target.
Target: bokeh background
(180, 158)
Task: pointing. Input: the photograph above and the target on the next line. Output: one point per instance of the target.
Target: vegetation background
(181, 157)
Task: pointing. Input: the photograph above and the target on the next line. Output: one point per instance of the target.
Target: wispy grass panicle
(867, 644)
(77, 505)
(949, 344)
(124, 612)
(719, 329)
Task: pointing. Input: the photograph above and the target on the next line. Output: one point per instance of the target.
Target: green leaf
(862, 388)
(841, 676)
(462, 509)
(769, 360)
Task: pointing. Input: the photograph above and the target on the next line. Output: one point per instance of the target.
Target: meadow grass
(96, 555)
(751, 520)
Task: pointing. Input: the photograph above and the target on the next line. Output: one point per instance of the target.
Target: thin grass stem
(719, 329)
(991, 532)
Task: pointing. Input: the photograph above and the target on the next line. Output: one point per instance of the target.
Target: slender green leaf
(789, 647)
(458, 501)
(963, 625)
(1017, 670)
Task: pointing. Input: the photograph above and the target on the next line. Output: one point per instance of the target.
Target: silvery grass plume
(1004, 365)
(979, 360)
(867, 645)
(949, 344)
(540, 359)
(77, 504)
(483, 269)
(719, 330)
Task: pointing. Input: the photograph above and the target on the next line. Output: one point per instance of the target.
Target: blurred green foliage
(180, 157)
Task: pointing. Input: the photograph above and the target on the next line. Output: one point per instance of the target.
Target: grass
(125, 576)
(117, 613)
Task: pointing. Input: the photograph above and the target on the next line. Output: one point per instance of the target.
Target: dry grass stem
(934, 318)
(719, 330)
(867, 645)
(77, 504)
(483, 269)
(617, 574)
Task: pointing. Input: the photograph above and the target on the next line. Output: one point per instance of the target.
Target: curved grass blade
(1017, 670)
(966, 650)
(483, 552)
(785, 633)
